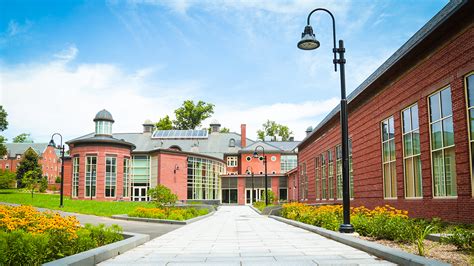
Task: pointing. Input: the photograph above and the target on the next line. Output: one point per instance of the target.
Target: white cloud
(67, 54)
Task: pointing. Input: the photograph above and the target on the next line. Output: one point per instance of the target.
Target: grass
(99, 208)
(260, 205)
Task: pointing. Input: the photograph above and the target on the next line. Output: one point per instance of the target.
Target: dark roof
(401, 58)
(91, 138)
(103, 115)
(14, 149)
(286, 147)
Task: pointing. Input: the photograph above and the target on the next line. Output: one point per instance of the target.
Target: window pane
(438, 173)
(450, 170)
(414, 116)
(448, 132)
(436, 136)
(434, 107)
(385, 130)
(392, 150)
(471, 119)
(391, 128)
(386, 152)
(393, 170)
(409, 178)
(416, 142)
(446, 102)
(470, 90)
(406, 121)
(386, 181)
(407, 144)
(417, 176)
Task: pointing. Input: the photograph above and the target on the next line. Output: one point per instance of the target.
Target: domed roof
(148, 122)
(104, 115)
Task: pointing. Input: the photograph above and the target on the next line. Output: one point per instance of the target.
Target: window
(110, 176)
(103, 127)
(248, 158)
(232, 161)
(126, 177)
(203, 178)
(232, 143)
(303, 182)
(7, 166)
(317, 178)
(411, 152)
(339, 171)
(388, 159)
(91, 175)
(288, 162)
(273, 158)
(442, 144)
(351, 172)
(469, 83)
(330, 174)
(323, 177)
(75, 177)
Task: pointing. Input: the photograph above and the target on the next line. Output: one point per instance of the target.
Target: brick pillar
(243, 135)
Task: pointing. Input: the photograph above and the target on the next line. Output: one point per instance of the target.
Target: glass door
(139, 194)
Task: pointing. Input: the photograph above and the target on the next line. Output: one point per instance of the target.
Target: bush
(43, 184)
(271, 197)
(463, 239)
(57, 180)
(178, 214)
(7, 179)
(162, 196)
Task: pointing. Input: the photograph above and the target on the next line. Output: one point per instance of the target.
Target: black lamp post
(308, 42)
(251, 172)
(61, 148)
(255, 155)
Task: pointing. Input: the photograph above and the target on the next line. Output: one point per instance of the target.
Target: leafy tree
(164, 123)
(3, 148)
(23, 138)
(29, 162)
(271, 128)
(162, 196)
(224, 130)
(7, 179)
(3, 119)
(31, 179)
(190, 115)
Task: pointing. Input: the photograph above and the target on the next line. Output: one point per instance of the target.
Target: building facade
(410, 128)
(48, 158)
(123, 166)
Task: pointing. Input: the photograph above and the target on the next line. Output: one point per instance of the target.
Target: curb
(381, 251)
(255, 209)
(161, 221)
(96, 255)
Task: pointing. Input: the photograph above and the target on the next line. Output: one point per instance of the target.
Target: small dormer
(232, 143)
(215, 126)
(148, 126)
(103, 123)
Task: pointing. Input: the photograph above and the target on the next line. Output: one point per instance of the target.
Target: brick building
(48, 158)
(411, 128)
(123, 166)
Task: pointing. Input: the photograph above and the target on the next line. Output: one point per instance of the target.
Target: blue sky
(63, 61)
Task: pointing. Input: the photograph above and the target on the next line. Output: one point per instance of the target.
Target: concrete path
(152, 229)
(237, 235)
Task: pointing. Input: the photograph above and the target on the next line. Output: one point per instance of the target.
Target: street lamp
(255, 155)
(251, 171)
(308, 42)
(61, 148)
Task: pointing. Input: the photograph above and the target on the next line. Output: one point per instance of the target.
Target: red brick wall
(101, 151)
(67, 176)
(446, 66)
(176, 180)
(293, 186)
(258, 166)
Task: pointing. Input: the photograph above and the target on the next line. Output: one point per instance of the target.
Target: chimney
(148, 126)
(243, 135)
(215, 126)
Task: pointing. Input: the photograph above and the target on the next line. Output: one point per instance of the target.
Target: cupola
(103, 123)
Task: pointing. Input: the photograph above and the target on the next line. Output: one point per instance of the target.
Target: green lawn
(99, 208)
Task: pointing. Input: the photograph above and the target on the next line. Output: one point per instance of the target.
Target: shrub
(463, 239)
(7, 179)
(178, 214)
(57, 180)
(161, 196)
(271, 197)
(43, 184)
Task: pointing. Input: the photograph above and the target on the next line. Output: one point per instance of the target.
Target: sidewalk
(236, 235)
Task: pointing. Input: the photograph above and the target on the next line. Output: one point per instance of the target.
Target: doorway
(257, 195)
(139, 194)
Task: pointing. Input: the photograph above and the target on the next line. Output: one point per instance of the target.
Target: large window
(126, 177)
(229, 190)
(317, 178)
(323, 177)
(283, 188)
(411, 152)
(442, 144)
(110, 176)
(232, 161)
(288, 162)
(91, 175)
(351, 171)
(469, 83)
(331, 174)
(303, 182)
(75, 177)
(339, 171)
(103, 127)
(203, 178)
(388, 159)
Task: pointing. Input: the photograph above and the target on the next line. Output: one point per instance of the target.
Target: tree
(224, 130)
(23, 138)
(190, 116)
(31, 179)
(164, 123)
(271, 128)
(3, 148)
(7, 179)
(162, 196)
(29, 162)
(3, 119)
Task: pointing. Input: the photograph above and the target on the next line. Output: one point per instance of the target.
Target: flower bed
(39, 237)
(171, 213)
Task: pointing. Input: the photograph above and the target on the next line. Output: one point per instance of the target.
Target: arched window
(175, 147)
(232, 143)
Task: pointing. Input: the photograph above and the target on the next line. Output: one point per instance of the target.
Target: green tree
(190, 115)
(23, 138)
(3, 148)
(7, 179)
(164, 123)
(31, 179)
(29, 162)
(162, 196)
(3, 119)
(271, 128)
(224, 130)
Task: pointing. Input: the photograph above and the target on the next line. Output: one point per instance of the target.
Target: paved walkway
(236, 235)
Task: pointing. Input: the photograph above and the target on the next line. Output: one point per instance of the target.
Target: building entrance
(139, 194)
(257, 195)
